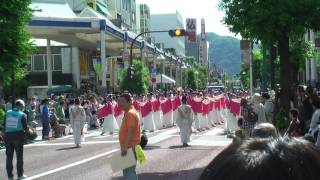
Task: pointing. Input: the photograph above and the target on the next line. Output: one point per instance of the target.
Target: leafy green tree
(140, 82)
(14, 40)
(192, 82)
(200, 74)
(202, 77)
(270, 22)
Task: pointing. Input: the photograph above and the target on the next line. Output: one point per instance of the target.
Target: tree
(199, 72)
(271, 21)
(202, 77)
(14, 41)
(140, 82)
(192, 82)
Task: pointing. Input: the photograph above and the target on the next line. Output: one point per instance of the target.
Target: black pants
(45, 129)
(11, 146)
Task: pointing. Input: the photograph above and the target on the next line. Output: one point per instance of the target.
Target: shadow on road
(151, 147)
(66, 149)
(178, 147)
(191, 174)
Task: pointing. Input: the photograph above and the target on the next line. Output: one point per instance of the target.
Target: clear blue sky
(207, 9)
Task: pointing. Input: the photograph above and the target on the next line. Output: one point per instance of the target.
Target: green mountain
(224, 51)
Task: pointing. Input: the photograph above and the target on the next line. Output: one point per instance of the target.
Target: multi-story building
(167, 22)
(143, 20)
(123, 13)
(203, 46)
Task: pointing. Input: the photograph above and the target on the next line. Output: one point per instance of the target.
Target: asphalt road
(59, 160)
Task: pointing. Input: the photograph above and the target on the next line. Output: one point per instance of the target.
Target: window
(29, 65)
(57, 63)
(38, 63)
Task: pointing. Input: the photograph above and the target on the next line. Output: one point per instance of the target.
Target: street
(58, 159)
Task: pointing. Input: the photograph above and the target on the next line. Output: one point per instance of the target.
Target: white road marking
(72, 165)
(62, 144)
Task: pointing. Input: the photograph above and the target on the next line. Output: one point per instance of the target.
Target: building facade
(191, 40)
(167, 22)
(203, 46)
(123, 13)
(143, 20)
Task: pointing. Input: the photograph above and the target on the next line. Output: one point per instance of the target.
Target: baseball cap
(20, 102)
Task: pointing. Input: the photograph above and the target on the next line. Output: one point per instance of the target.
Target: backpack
(252, 116)
(144, 141)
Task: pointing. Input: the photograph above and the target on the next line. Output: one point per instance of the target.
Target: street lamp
(162, 58)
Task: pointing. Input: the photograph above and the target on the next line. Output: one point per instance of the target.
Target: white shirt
(314, 121)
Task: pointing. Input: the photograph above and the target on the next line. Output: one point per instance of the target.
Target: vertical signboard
(201, 53)
(191, 28)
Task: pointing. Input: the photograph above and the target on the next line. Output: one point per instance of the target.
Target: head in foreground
(266, 159)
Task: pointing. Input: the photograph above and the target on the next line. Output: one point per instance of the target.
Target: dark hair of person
(301, 89)
(126, 96)
(243, 102)
(184, 99)
(46, 100)
(264, 130)
(309, 90)
(240, 121)
(294, 112)
(266, 159)
(77, 101)
(266, 96)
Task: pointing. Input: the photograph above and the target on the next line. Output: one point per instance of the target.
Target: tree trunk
(285, 80)
(273, 56)
(13, 89)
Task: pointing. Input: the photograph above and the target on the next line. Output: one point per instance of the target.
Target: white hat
(20, 101)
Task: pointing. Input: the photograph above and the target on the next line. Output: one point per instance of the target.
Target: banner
(191, 29)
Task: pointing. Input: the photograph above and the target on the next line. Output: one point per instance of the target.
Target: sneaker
(10, 178)
(102, 134)
(22, 177)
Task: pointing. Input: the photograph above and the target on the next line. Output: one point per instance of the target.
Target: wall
(167, 22)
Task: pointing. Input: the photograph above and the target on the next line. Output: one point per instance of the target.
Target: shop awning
(165, 79)
(102, 8)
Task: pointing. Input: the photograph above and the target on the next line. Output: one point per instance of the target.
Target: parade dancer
(184, 121)
(110, 124)
(77, 120)
(156, 113)
(147, 115)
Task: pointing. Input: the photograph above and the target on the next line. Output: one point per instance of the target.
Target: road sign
(125, 56)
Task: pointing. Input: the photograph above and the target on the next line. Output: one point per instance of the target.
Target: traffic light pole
(139, 35)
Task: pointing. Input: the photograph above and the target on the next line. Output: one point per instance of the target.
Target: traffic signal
(177, 32)
(131, 72)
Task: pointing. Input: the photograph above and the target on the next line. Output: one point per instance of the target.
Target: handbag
(252, 116)
(143, 141)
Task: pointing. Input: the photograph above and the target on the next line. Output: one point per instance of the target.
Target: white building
(167, 22)
(203, 46)
(143, 20)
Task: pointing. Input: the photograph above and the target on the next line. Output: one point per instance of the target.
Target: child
(294, 129)
(240, 132)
